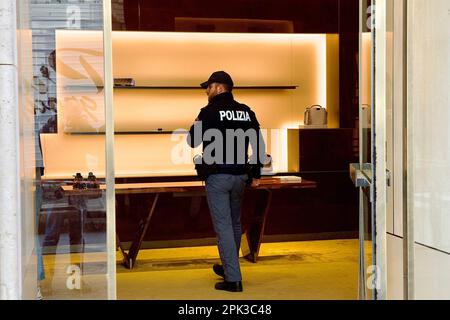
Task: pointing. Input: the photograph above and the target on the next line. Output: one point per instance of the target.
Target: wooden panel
(326, 149)
(317, 16)
(348, 63)
(331, 207)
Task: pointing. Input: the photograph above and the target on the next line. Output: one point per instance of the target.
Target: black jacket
(237, 126)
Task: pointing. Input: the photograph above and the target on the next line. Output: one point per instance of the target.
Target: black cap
(219, 77)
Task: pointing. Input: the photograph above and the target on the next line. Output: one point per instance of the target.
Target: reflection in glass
(366, 139)
(71, 222)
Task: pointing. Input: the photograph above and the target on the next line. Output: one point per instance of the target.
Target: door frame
(379, 136)
(378, 180)
(109, 152)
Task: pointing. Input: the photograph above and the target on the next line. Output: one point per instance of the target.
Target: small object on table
(267, 169)
(124, 82)
(288, 178)
(78, 181)
(92, 182)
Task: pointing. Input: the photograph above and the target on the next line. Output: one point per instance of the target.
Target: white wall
(429, 143)
(9, 202)
(394, 267)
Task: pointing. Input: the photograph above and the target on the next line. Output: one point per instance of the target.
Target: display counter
(252, 232)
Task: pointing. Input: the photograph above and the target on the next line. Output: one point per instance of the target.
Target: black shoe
(229, 286)
(218, 269)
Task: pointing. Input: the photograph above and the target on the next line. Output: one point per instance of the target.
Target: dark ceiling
(307, 16)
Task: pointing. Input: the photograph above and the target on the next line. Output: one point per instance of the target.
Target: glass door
(366, 85)
(368, 174)
(65, 64)
(366, 161)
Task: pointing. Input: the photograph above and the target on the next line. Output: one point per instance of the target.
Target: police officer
(226, 128)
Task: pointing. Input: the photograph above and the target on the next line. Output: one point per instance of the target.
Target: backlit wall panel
(170, 59)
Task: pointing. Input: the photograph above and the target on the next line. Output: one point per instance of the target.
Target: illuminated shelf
(198, 87)
(94, 88)
(133, 132)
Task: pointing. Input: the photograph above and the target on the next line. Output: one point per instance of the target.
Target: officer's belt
(235, 169)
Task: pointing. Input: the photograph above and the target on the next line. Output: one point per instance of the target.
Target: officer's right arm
(258, 148)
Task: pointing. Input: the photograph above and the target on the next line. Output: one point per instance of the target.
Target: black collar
(223, 96)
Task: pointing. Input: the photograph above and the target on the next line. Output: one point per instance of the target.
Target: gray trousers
(224, 193)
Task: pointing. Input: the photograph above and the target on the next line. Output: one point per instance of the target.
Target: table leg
(136, 244)
(252, 238)
(195, 207)
(125, 261)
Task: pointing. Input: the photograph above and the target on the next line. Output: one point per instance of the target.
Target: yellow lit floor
(288, 270)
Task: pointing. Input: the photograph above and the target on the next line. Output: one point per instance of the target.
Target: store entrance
(135, 222)
(281, 65)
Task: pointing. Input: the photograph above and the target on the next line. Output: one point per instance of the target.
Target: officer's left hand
(255, 183)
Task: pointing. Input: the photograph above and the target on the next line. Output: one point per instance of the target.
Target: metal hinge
(388, 177)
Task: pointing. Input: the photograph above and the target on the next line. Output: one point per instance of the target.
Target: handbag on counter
(316, 115)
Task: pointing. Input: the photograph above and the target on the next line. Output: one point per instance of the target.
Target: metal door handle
(359, 178)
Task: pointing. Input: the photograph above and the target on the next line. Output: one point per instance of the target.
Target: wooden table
(251, 238)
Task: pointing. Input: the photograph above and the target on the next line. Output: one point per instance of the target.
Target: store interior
(284, 57)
